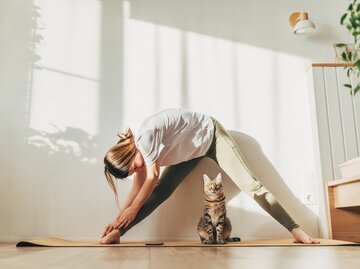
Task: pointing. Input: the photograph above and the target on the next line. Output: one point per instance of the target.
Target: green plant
(351, 20)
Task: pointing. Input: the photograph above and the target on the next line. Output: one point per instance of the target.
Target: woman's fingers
(116, 225)
(105, 231)
(123, 223)
(108, 229)
(127, 223)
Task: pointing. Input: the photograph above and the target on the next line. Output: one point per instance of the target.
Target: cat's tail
(233, 239)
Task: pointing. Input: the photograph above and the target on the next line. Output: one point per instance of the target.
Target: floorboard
(330, 257)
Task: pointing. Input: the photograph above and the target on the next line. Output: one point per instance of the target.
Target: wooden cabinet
(344, 209)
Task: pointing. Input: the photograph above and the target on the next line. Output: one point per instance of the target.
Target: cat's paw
(208, 242)
(221, 241)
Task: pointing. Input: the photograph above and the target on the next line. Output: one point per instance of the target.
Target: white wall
(75, 72)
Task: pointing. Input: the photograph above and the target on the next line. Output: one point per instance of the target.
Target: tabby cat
(214, 227)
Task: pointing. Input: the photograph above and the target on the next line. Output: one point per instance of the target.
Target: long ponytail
(118, 160)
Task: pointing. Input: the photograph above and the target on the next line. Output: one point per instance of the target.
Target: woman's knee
(253, 187)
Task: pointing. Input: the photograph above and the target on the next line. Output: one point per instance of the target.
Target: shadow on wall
(273, 181)
(17, 57)
(177, 218)
(73, 142)
(259, 23)
(50, 180)
(54, 187)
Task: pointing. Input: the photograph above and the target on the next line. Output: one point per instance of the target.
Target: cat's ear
(218, 179)
(206, 178)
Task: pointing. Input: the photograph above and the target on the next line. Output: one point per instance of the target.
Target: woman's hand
(108, 229)
(301, 237)
(125, 218)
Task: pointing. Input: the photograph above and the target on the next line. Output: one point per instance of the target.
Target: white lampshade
(304, 27)
(301, 24)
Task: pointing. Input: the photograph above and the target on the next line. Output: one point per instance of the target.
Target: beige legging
(225, 152)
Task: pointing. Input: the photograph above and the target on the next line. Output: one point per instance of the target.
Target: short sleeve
(150, 145)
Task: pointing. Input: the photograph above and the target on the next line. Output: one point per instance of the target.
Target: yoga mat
(58, 242)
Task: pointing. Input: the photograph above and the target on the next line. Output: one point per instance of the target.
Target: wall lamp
(301, 24)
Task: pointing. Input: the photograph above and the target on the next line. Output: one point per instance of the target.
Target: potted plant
(350, 52)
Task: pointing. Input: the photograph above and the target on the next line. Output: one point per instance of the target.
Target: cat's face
(212, 186)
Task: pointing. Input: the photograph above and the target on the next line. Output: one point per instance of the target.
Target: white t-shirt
(173, 136)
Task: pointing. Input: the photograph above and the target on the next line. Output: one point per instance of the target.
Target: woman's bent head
(119, 158)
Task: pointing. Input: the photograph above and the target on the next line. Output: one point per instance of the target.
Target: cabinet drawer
(347, 194)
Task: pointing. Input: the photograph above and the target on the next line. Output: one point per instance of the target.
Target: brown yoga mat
(58, 242)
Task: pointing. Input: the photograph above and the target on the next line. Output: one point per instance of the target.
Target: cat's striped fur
(214, 227)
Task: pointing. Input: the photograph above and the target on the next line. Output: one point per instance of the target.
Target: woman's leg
(169, 181)
(229, 157)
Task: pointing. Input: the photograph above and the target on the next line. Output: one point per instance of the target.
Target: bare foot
(111, 238)
(301, 237)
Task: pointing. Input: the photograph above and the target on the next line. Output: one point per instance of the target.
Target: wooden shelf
(331, 64)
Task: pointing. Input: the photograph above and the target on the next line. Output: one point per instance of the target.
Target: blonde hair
(118, 160)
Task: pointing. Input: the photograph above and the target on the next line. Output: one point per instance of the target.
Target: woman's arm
(139, 179)
(152, 176)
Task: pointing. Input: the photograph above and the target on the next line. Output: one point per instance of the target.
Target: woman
(179, 140)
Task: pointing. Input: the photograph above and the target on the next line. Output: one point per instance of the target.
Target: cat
(214, 227)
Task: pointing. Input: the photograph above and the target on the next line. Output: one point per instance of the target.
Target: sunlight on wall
(64, 91)
(65, 81)
(152, 67)
(251, 89)
(211, 74)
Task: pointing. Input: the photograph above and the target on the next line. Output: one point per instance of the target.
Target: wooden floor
(179, 257)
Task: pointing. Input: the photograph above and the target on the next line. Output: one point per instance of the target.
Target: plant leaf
(357, 64)
(347, 86)
(343, 17)
(348, 72)
(340, 45)
(357, 89)
(353, 22)
(343, 56)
